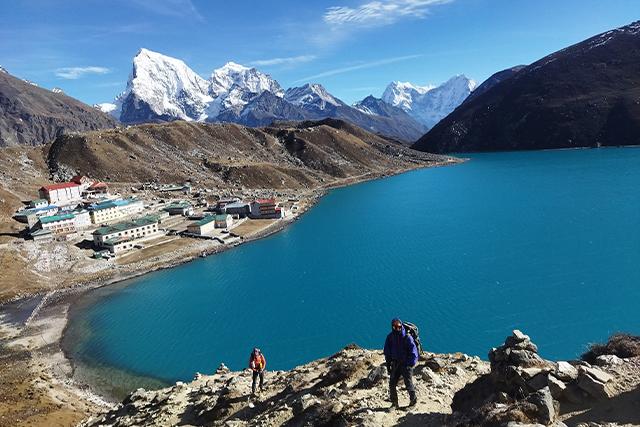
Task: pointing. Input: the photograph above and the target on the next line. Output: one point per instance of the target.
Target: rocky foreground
(516, 388)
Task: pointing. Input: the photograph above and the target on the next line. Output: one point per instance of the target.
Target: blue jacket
(401, 347)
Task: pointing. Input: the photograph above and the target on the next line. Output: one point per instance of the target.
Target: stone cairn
(529, 389)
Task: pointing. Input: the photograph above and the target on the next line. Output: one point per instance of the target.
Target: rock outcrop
(348, 388)
(516, 387)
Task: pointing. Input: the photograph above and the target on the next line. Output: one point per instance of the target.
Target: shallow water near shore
(547, 242)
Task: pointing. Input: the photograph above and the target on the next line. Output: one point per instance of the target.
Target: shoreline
(51, 316)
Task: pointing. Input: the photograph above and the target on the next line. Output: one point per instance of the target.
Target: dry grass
(153, 248)
(621, 345)
(23, 404)
(252, 226)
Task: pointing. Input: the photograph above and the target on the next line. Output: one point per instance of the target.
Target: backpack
(412, 330)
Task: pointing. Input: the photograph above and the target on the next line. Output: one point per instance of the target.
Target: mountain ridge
(161, 88)
(584, 95)
(31, 115)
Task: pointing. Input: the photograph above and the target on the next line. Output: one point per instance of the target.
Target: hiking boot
(394, 405)
(413, 402)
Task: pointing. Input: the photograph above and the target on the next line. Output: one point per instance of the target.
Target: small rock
(431, 377)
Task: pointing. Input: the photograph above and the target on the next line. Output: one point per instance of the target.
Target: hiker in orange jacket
(257, 364)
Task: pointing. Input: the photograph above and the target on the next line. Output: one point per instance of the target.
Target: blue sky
(353, 47)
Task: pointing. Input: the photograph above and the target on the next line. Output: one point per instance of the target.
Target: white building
(114, 210)
(82, 219)
(205, 226)
(58, 224)
(38, 204)
(223, 221)
(61, 193)
(124, 236)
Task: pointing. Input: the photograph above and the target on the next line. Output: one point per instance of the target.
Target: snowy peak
(3, 70)
(167, 87)
(401, 94)
(312, 95)
(106, 107)
(429, 104)
(376, 107)
(223, 79)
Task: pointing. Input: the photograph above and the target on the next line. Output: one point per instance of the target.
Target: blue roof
(36, 210)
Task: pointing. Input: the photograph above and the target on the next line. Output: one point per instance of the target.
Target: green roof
(206, 220)
(178, 205)
(39, 201)
(55, 218)
(222, 217)
(126, 225)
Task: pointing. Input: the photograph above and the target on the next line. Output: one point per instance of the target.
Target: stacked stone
(516, 367)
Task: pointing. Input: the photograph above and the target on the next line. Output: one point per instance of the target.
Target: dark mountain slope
(586, 95)
(30, 115)
(493, 80)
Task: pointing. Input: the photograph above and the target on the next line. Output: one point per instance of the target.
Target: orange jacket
(257, 363)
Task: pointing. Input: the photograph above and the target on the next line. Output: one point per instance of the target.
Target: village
(86, 213)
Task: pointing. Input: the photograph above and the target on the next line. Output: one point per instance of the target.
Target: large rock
(556, 386)
(547, 407)
(566, 372)
(595, 382)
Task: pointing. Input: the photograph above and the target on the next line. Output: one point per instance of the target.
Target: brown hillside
(307, 155)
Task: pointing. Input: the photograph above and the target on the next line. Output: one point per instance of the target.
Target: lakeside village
(84, 212)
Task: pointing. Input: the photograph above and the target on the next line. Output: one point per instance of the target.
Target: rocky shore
(515, 388)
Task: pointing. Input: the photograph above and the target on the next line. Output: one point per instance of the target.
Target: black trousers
(405, 372)
(257, 374)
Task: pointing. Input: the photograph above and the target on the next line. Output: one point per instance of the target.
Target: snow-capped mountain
(376, 106)
(161, 88)
(429, 104)
(313, 97)
(402, 94)
(249, 79)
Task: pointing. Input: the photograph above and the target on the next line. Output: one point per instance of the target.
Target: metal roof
(126, 225)
(206, 220)
(56, 218)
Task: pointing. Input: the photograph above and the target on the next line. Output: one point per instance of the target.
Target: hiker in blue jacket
(401, 355)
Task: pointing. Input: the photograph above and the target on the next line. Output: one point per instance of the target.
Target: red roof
(98, 185)
(79, 178)
(59, 186)
(266, 200)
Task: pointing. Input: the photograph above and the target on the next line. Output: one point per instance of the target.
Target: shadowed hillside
(30, 115)
(583, 96)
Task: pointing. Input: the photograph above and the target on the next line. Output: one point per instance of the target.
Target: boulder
(539, 381)
(566, 372)
(542, 399)
(596, 373)
(598, 385)
(556, 387)
(608, 360)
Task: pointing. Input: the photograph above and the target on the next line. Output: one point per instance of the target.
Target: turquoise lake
(547, 242)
